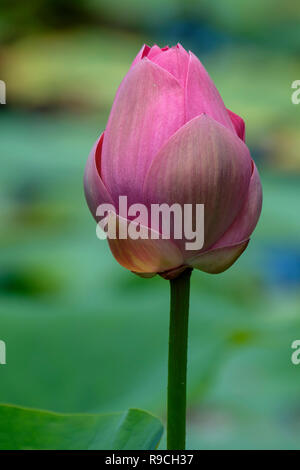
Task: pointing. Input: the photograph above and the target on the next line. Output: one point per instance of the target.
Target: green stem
(178, 340)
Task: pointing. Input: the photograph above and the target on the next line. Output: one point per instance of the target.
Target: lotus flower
(170, 139)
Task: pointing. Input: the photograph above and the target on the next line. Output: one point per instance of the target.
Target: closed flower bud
(170, 140)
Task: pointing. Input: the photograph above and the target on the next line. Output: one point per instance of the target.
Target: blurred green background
(82, 333)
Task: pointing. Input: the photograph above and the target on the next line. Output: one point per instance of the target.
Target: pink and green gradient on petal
(171, 139)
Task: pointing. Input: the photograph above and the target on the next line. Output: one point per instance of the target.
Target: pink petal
(218, 260)
(141, 54)
(202, 163)
(156, 50)
(175, 61)
(144, 255)
(202, 95)
(94, 188)
(146, 112)
(247, 218)
(239, 124)
(149, 52)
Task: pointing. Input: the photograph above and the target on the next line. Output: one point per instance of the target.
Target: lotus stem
(177, 366)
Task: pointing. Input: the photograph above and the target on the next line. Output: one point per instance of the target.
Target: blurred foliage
(255, 19)
(83, 334)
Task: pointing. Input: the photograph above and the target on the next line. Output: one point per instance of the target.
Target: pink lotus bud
(170, 140)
